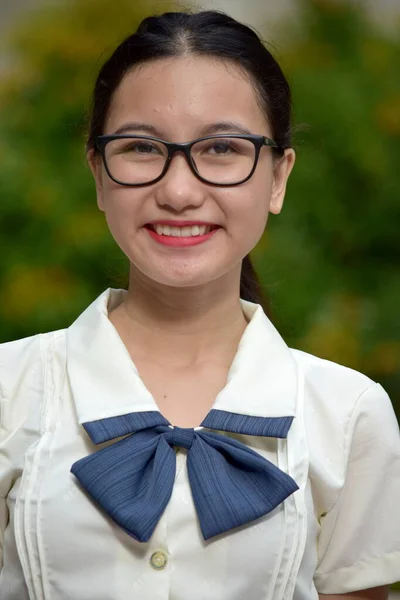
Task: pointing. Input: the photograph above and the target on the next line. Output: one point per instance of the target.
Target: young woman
(168, 444)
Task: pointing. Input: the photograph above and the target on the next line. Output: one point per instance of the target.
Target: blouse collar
(262, 380)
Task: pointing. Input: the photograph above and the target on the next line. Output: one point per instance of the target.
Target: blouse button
(158, 559)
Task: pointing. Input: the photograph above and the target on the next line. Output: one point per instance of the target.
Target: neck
(181, 327)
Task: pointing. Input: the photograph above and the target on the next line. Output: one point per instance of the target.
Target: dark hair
(207, 33)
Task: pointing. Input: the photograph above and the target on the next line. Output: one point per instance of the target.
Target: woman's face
(182, 99)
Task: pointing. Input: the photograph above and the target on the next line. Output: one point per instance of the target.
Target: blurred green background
(329, 263)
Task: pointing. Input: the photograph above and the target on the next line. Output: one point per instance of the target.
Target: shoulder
(338, 401)
(22, 371)
(17, 358)
(16, 349)
(332, 389)
(324, 378)
(345, 413)
(22, 352)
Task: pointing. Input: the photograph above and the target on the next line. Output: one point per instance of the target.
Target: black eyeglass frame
(185, 147)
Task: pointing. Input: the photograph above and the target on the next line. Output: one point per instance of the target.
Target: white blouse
(339, 532)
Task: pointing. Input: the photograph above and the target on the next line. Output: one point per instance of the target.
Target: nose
(180, 188)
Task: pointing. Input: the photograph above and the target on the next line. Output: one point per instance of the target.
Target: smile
(187, 231)
(181, 236)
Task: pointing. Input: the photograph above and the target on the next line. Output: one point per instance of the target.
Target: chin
(187, 272)
(182, 278)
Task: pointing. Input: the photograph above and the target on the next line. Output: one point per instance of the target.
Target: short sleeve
(21, 387)
(359, 540)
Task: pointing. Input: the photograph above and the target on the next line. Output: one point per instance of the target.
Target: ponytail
(250, 286)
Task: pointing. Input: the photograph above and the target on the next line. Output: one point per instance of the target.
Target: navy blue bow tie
(132, 479)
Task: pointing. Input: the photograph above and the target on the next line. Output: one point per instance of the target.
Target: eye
(221, 147)
(142, 147)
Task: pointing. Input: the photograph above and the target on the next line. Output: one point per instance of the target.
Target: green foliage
(329, 262)
(57, 252)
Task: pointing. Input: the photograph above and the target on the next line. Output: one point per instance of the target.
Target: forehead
(186, 92)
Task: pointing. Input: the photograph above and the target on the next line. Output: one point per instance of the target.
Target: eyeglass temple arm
(272, 143)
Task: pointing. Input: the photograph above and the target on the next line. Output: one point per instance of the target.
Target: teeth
(188, 231)
(184, 231)
(163, 229)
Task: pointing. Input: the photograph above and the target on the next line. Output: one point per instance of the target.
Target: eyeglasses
(221, 160)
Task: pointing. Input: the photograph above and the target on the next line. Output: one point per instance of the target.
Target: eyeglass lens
(218, 160)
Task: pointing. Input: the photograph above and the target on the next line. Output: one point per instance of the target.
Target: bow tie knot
(177, 436)
(181, 436)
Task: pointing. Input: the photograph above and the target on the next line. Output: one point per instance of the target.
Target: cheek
(248, 210)
(121, 209)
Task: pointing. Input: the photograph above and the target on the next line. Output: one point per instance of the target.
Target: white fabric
(338, 533)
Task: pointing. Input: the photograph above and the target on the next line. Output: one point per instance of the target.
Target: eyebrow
(226, 127)
(136, 126)
(214, 128)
